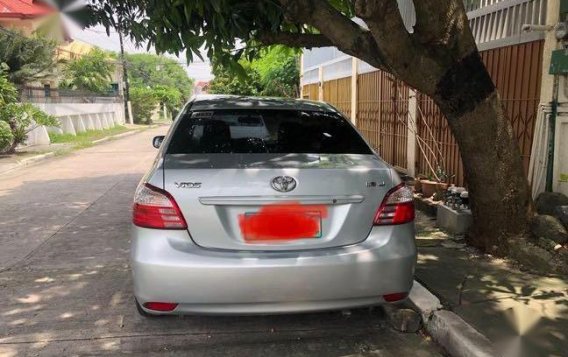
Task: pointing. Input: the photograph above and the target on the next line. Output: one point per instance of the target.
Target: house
(30, 17)
(201, 87)
(89, 111)
(407, 129)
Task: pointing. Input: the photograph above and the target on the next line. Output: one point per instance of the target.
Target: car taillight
(161, 306)
(397, 207)
(156, 208)
(394, 297)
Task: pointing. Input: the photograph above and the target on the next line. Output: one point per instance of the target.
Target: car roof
(212, 101)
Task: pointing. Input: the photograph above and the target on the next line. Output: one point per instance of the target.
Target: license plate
(280, 225)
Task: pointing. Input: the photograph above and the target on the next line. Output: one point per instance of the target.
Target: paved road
(65, 284)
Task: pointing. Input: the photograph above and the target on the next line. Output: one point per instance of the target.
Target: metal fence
(382, 112)
(337, 92)
(498, 23)
(384, 117)
(57, 95)
(311, 91)
(516, 71)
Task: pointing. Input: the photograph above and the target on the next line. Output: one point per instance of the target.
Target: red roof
(23, 8)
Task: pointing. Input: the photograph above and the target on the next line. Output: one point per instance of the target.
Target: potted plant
(418, 182)
(436, 182)
(429, 186)
(443, 178)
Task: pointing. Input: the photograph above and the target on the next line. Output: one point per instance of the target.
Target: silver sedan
(263, 205)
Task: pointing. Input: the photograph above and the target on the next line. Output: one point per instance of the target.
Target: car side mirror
(157, 141)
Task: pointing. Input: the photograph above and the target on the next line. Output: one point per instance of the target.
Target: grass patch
(86, 138)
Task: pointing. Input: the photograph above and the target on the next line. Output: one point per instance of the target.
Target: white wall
(77, 117)
(560, 178)
(82, 109)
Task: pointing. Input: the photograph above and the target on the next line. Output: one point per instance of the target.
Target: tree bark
(12, 148)
(499, 193)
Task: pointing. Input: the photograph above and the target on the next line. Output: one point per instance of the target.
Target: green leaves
(274, 73)
(17, 119)
(8, 92)
(91, 72)
(158, 79)
(27, 58)
(144, 102)
(216, 26)
(6, 136)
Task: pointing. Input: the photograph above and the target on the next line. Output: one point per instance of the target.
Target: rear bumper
(168, 267)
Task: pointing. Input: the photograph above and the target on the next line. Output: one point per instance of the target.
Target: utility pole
(124, 74)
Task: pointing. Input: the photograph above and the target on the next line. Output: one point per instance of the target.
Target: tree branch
(343, 33)
(450, 31)
(301, 40)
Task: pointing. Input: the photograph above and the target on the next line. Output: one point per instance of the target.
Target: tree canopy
(27, 58)
(228, 82)
(17, 119)
(154, 80)
(279, 70)
(151, 70)
(92, 72)
(275, 72)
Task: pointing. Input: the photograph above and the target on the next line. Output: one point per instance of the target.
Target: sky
(97, 36)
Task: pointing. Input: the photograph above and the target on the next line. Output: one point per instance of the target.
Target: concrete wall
(76, 118)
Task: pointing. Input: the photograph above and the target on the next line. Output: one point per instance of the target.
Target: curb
(27, 161)
(449, 330)
(31, 160)
(117, 136)
(41, 157)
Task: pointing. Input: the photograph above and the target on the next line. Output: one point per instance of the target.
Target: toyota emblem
(283, 183)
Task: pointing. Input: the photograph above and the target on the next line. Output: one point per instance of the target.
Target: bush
(17, 119)
(92, 72)
(6, 136)
(144, 102)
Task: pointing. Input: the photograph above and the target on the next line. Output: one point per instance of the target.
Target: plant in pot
(429, 186)
(437, 182)
(443, 178)
(418, 182)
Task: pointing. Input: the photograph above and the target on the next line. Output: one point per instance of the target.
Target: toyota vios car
(262, 205)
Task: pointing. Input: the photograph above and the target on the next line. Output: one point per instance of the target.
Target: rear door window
(244, 131)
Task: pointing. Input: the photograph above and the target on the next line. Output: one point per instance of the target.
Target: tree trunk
(11, 149)
(499, 192)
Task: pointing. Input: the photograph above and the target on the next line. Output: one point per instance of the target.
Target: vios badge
(188, 184)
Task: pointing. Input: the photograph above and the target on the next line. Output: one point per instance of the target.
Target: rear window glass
(265, 131)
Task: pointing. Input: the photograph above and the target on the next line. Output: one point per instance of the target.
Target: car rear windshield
(265, 131)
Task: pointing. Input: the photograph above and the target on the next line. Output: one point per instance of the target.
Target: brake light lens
(395, 297)
(156, 208)
(397, 207)
(160, 306)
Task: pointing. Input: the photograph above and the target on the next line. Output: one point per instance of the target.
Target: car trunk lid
(230, 202)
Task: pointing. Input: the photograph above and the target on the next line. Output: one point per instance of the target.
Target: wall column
(411, 120)
(320, 84)
(354, 70)
(301, 94)
(538, 163)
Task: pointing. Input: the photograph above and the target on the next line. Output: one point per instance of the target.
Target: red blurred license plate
(280, 225)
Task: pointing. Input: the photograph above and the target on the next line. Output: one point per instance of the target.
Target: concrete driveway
(65, 284)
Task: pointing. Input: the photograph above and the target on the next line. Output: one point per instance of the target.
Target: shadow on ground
(523, 313)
